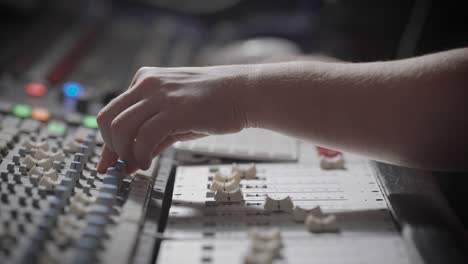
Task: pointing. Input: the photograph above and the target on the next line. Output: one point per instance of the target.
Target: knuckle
(146, 83)
(142, 70)
(151, 79)
(101, 117)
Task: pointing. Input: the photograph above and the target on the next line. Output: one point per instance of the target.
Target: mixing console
(55, 207)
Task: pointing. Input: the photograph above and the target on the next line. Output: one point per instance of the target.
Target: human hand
(165, 105)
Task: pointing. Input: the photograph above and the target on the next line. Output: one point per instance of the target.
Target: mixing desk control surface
(328, 215)
(55, 207)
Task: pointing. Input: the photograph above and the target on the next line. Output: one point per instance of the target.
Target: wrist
(250, 99)
(275, 90)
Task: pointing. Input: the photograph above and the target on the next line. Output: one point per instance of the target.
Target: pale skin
(410, 112)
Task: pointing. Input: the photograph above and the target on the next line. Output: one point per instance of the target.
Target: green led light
(23, 111)
(56, 128)
(90, 121)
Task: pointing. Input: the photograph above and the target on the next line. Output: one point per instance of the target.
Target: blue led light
(72, 89)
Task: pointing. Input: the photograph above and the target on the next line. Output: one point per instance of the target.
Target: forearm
(410, 112)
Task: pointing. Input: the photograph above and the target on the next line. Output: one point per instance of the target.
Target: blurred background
(89, 50)
(109, 37)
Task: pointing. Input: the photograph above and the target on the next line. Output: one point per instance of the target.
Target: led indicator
(36, 89)
(40, 114)
(90, 121)
(56, 128)
(327, 152)
(72, 89)
(22, 110)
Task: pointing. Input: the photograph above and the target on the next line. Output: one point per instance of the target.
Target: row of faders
(54, 206)
(281, 213)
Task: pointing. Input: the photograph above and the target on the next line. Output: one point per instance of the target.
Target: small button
(72, 89)
(90, 121)
(40, 114)
(56, 128)
(36, 89)
(22, 110)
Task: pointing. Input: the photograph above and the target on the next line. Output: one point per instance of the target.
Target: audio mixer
(255, 197)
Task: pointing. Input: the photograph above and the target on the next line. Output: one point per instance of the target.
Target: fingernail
(101, 167)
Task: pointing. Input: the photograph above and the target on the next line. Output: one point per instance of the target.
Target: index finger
(113, 109)
(108, 159)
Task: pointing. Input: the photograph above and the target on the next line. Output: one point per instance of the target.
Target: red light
(36, 89)
(327, 152)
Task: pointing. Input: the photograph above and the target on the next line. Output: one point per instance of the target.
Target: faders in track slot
(265, 246)
(300, 214)
(278, 205)
(314, 219)
(290, 213)
(234, 196)
(245, 173)
(319, 224)
(227, 188)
